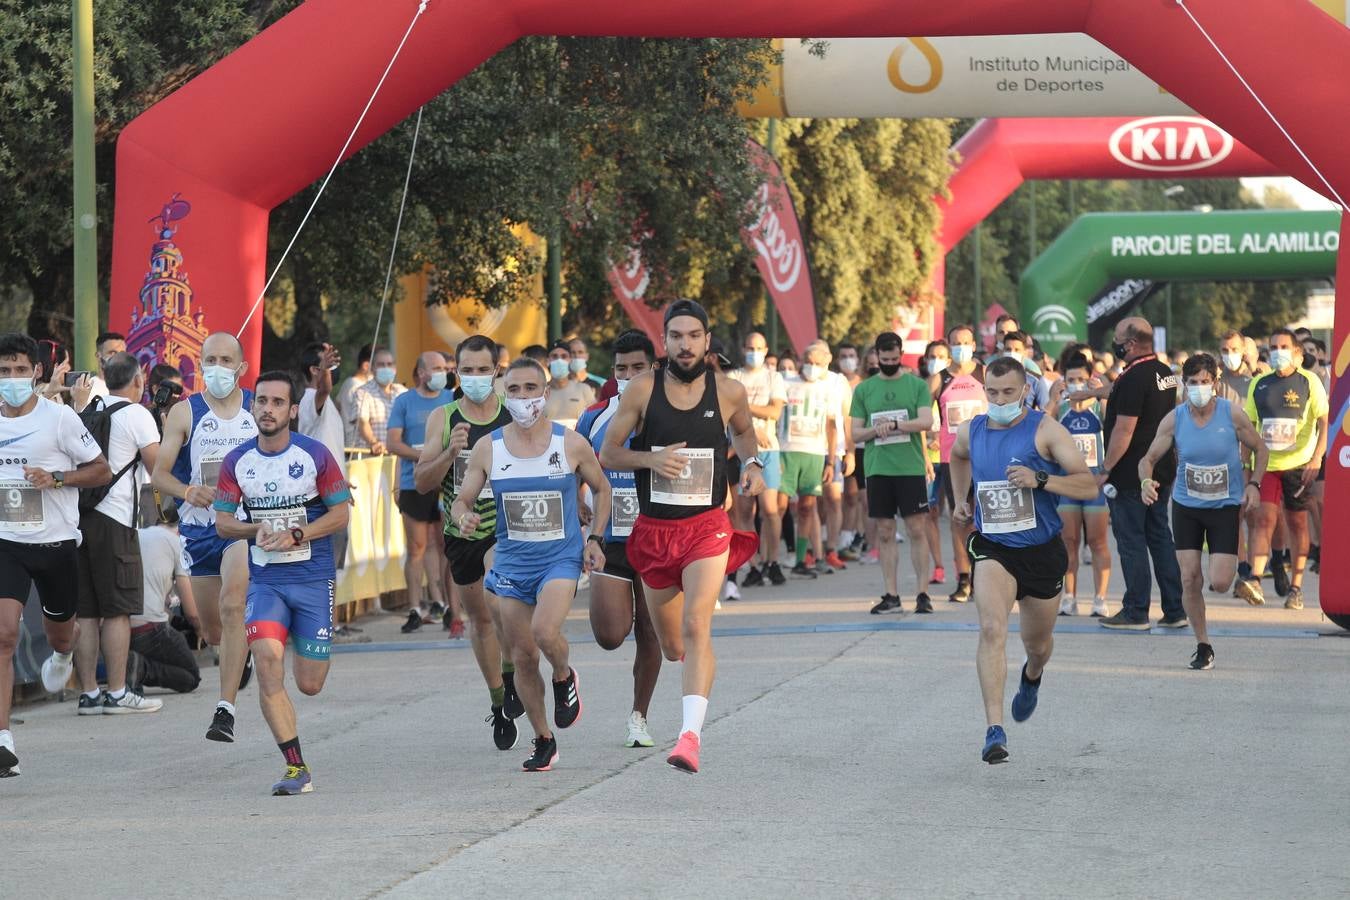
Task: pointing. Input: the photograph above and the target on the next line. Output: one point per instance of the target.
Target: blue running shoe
(995, 745)
(296, 781)
(1024, 701)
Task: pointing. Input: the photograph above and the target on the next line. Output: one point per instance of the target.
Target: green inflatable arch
(1103, 264)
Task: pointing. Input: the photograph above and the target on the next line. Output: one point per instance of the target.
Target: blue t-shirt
(409, 412)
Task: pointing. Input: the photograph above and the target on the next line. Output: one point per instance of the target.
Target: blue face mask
(1281, 359)
(476, 387)
(577, 364)
(437, 381)
(1005, 413)
(962, 353)
(754, 359)
(559, 368)
(220, 381)
(16, 391)
(384, 376)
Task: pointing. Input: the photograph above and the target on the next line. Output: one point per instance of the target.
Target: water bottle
(1109, 490)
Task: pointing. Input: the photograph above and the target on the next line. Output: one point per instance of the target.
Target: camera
(166, 393)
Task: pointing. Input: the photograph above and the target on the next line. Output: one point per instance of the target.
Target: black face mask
(1119, 350)
(889, 370)
(872, 370)
(690, 374)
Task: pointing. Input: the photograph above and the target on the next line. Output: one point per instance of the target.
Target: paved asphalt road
(841, 759)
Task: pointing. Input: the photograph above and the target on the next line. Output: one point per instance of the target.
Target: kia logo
(1170, 144)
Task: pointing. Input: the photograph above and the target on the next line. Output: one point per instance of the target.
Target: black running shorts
(466, 558)
(892, 495)
(1193, 528)
(420, 507)
(1038, 570)
(616, 562)
(54, 568)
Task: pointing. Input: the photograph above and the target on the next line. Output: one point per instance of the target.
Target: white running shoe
(638, 736)
(1068, 606)
(1099, 607)
(56, 673)
(130, 702)
(730, 591)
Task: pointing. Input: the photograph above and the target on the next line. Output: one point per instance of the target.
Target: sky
(1303, 196)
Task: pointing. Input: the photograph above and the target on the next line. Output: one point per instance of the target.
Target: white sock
(118, 695)
(226, 705)
(695, 708)
(845, 538)
(63, 658)
(4, 733)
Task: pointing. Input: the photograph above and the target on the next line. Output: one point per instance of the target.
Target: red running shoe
(457, 628)
(685, 755)
(939, 575)
(835, 562)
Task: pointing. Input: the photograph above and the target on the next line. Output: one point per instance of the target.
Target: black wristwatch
(59, 479)
(298, 535)
(1042, 477)
(597, 538)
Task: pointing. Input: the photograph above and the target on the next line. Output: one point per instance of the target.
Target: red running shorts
(660, 549)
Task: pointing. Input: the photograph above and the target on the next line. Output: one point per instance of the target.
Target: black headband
(686, 308)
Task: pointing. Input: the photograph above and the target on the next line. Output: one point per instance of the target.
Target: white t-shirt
(325, 426)
(809, 404)
(762, 387)
(161, 563)
(50, 437)
(132, 429)
(347, 406)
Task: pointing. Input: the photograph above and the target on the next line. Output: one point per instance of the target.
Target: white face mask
(1199, 394)
(437, 381)
(220, 381)
(848, 364)
(1232, 361)
(526, 411)
(936, 365)
(621, 384)
(811, 372)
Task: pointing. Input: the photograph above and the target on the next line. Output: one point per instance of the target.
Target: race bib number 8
(461, 465)
(280, 520)
(625, 511)
(1005, 508)
(20, 507)
(1279, 434)
(895, 437)
(1091, 450)
(693, 486)
(533, 516)
(1207, 482)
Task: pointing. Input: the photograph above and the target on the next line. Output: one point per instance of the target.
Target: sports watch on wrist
(597, 538)
(298, 535)
(754, 461)
(1042, 477)
(59, 478)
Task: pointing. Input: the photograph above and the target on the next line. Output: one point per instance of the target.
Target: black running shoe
(545, 755)
(802, 570)
(1280, 578)
(889, 604)
(504, 731)
(753, 578)
(1123, 622)
(1203, 658)
(437, 609)
(775, 574)
(511, 704)
(222, 727)
(248, 672)
(9, 762)
(566, 701)
(923, 604)
(414, 622)
(1174, 621)
(962, 592)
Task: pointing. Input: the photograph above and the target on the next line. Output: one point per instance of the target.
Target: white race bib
(693, 486)
(1207, 482)
(625, 511)
(895, 415)
(804, 426)
(210, 469)
(1279, 434)
(533, 516)
(20, 508)
(1091, 450)
(280, 520)
(1005, 508)
(461, 465)
(961, 411)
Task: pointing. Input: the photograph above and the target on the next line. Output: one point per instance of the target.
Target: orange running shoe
(685, 755)
(833, 559)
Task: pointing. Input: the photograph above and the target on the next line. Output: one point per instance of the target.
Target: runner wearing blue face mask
(567, 397)
(577, 365)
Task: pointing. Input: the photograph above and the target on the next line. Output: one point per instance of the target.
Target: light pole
(85, 212)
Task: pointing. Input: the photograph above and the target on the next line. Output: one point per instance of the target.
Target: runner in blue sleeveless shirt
(1211, 490)
(1018, 460)
(1082, 419)
(535, 468)
(618, 605)
(198, 434)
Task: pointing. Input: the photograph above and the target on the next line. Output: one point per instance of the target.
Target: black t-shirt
(1147, 390)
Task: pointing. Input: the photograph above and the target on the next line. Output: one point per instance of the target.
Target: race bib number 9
(625, 511)
(1279, 434)
(1207, 482)
(693, 486)
(961, 411)
(1005, 508)
(280, 520)
(533, 516)
(461, 465)
(895, 437)
(20, 508)
(1091, 450)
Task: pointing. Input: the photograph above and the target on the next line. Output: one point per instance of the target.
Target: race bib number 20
(533, 516)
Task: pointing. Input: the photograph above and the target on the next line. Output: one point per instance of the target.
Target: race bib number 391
(1005, 508)
(20, 508)
(533, 516)
(693, 486)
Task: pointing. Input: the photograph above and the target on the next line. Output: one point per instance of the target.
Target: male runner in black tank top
(682, 543)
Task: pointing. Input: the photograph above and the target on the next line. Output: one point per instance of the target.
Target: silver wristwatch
(754, 461)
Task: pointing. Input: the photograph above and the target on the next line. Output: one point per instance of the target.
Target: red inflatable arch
(266, 121)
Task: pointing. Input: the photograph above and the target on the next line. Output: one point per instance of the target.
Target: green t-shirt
(901, 398)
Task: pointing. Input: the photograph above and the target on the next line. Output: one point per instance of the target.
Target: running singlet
(703, 483)
(1086, 429)
(1008, 515)
(1209, 465)
(536, 499)
(287, 490)
(200, 457)
(486, 509)
(960, 399)
(593, 425)
(53, 438)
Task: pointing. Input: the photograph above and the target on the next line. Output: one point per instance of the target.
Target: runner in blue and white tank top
(1082, 420)
(1018, 460)
(199, 432)
(1211, 489)
(535, 468)
(618, 605)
